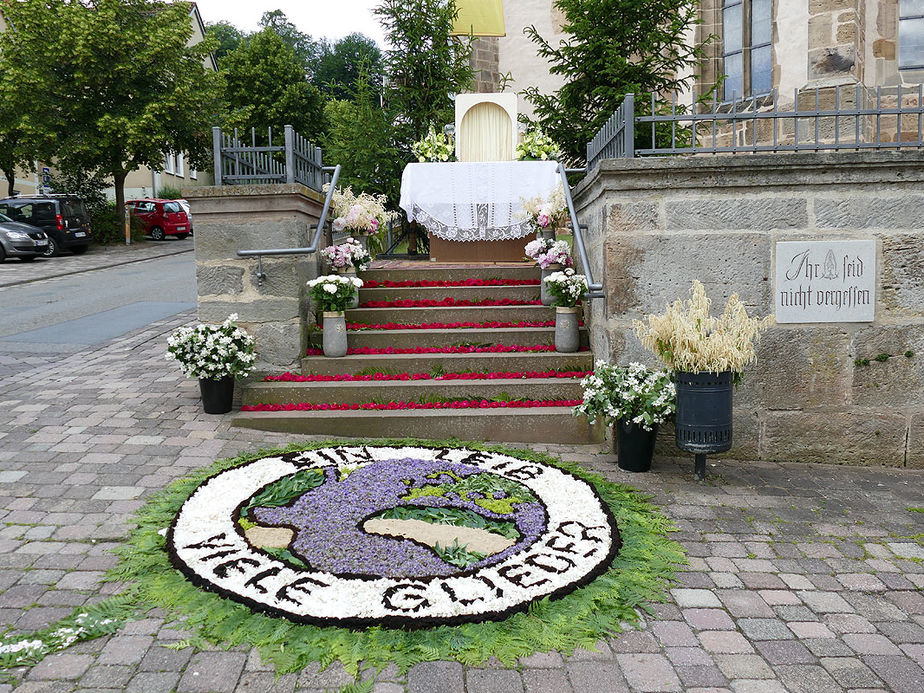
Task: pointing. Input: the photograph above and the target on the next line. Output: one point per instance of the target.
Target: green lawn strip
(637, 576)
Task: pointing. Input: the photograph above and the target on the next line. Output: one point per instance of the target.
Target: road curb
(20, 282)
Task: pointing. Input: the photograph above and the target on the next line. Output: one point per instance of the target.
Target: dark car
(21, 240)
(161, 218)
(63, 218)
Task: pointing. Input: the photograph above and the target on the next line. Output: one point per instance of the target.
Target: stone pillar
(255, 217)
(836, 41)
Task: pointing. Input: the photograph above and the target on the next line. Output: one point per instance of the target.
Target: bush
(107, 228)
(168, 192)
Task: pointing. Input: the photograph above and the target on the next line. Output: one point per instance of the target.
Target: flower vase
(544, 294)
(546, 234)
(567, 337)
(217, 395)
(349, 272)
(634, 445)
(335, 334)
(363, 240)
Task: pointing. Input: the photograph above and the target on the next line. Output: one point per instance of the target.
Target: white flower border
(207, 545)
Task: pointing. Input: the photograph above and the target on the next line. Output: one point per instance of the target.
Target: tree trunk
(10, 174)
(119, 180)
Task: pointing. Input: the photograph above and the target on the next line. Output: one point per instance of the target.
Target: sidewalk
(13, 272)
(801, 577)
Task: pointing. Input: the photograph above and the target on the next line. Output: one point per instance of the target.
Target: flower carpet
(399, 552)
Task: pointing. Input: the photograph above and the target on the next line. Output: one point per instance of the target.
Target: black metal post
(700, 467)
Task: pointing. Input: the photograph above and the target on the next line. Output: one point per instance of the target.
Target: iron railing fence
(825, 118)
(294, 160)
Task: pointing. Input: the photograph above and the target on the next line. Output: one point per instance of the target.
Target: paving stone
(871, 644)
(212, 672)
(425, 677)
(596, 676)
(785, 652)
(742, 604)
(61, 666)
(827, 647)
(850, 672)
(546, 681)
(807, 679)
(601, 652)
(648, 672)
(632, 641)
(741, 666)
(899, 673)
(764, 629)
(542, 660)
(688, 656)
(708, 619)
(861, 582)
(99, 676)
(849, 623)
(724, 642)
(757, 686)
(674, 634)
(126, 649)
(150, 682)
(695, 598)
(492, 680)
(810, 629)
(825, 602)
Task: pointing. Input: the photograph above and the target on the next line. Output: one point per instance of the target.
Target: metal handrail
(594, 290)
(319, 227)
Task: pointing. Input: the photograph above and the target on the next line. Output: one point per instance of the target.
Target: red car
(161, 218)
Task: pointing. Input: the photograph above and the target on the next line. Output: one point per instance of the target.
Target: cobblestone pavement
(13, 272)
(801, 577)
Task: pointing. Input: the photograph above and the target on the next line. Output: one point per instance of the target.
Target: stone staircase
(537, 376)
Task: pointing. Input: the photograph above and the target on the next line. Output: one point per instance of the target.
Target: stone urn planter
(544, 294)
(567, 336)
(335, 334)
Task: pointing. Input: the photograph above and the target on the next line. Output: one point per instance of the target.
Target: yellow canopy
(480, 18)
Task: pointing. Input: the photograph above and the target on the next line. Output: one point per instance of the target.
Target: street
(60, 315)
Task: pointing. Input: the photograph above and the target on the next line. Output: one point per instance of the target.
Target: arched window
(746, 39)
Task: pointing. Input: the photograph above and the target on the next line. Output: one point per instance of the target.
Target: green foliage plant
(637, 576)
(168, 192)
(108, 228)
(611, 48)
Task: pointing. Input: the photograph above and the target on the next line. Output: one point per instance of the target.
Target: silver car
(21, 240)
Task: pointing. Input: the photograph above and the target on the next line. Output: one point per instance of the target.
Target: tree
(113, 82)
(305, 49)
(16, 150)
(339, 65)
(227, 37)
(614, 47)
(266, 86)
(424, 64)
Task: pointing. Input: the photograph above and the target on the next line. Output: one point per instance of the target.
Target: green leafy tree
(266, 86)
(613, 47)
(117, 85)
(424, 64)
(305, 49)
(226, 36)
(339, 65)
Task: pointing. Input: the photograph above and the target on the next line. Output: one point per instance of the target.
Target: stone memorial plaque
(825, 281)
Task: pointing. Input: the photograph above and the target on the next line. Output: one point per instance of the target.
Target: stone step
(419, 316)
(448, 363)
(533, 425)
(438, 272)
(410, 390)
(406, 339)
(520, 292)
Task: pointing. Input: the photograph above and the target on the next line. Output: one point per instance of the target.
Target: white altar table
(476, 202)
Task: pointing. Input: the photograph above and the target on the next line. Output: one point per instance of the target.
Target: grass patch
(637, 576)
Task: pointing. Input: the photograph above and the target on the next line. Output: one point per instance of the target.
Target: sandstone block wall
(231, 218)
(817, 392)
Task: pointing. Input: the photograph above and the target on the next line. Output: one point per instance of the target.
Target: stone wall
(231, 218)
(657, 224)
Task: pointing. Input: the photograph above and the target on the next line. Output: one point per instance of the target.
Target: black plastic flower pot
(634, 446)
(703, 419)
(217, 395)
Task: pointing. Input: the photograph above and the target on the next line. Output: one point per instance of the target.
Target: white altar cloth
(476, 201)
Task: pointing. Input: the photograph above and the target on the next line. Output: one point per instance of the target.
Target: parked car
(161, 218)
(21, 240)
(63, 218)
(185, 205)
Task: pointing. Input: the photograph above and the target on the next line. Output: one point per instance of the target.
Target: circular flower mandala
(363, 536)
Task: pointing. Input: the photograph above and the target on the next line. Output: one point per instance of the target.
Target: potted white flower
(566, 289)
(707, 355)
(216, 355)
(634, 400)
(332, 294)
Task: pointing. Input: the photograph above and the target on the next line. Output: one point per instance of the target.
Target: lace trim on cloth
(484, 232)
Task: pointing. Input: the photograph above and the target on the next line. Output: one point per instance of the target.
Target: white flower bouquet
(348, 254)
(436, 146)
(537, 145)
(212, 352)
(359, 214)
(566, 287)
(686, 338)
(333, 292)
(547, 212)
(547, 252)
(634, 393)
